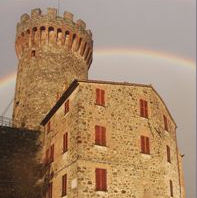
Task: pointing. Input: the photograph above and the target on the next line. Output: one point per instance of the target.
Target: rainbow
(162, 56)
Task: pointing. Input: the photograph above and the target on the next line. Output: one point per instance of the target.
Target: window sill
(146, 155)
(100, 147)
(101, 192)
(144, 117)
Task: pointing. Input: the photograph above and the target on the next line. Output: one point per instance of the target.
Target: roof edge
(61, 100)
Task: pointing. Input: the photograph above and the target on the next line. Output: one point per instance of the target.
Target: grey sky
(167, 26)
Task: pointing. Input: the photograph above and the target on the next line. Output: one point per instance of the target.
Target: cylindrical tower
(52, 51)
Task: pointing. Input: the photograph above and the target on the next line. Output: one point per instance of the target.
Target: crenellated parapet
(49, 29)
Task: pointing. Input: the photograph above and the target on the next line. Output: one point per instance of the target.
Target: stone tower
(52, 51)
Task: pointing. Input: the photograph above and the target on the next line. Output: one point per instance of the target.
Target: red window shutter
(142, 144)
(165, 123)
(103, 138)
(52, 153)
(50, 188)
(65, 142)
(47, 156)
(97, 179)
(97, 135)
(48, 127)
(101, 179)
(66, 107)
(145, 109)
(64, 185)
(97, 96)
(141, 108)
(171, 188)
(102, 97)
(147, 146)
(104, 179)
(168, 154)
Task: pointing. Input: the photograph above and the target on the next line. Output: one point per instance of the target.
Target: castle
(100, 138)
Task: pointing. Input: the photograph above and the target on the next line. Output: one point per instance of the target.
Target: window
(48, 127)
(66, 107)
(47, 157)
(100, 97)
(101, 179)
(65, 142)
(145, 146)
(33, 53)
(171, 188)
(100, 135)
(49, 190)
(168, 153)
(165, 123)
(52, 153)
(143, 108)
(64, 185)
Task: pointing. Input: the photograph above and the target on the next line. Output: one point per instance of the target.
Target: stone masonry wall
(52, 51)
(64, 163)
(129, 172)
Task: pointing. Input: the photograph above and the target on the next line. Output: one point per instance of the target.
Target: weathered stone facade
(52, 52)
(130, 173)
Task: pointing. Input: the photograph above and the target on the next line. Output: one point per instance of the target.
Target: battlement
(41, 29)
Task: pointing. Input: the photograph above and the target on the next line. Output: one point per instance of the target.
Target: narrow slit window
(64, 185)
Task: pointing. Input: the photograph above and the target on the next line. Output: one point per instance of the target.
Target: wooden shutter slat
(146, 109)
(147, 146)
(65, 142)
(64, 185)
(97, 180)
(141, 108)
(104, 180)
(47, 156)
(103, 136)
(142, 144)
(97, 96)
(102, 97)
(97, 135)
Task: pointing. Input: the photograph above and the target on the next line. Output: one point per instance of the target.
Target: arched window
(73, 40)
(28, 31)
(67, 33)
(87, 53)
(82, 53)
(79, 44)
(51, 29)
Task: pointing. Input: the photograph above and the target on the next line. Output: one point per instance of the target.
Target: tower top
(51, 18)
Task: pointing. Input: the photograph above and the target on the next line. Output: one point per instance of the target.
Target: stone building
(101, 139)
